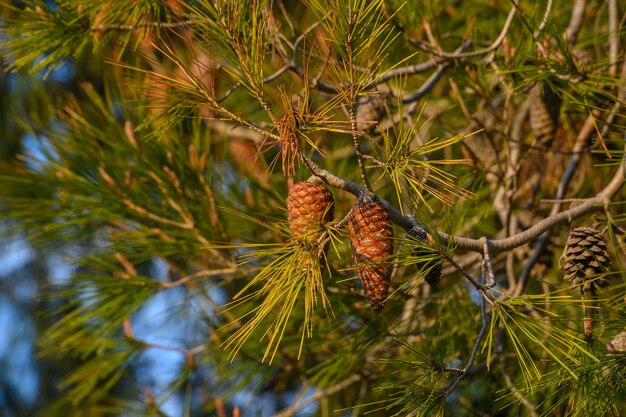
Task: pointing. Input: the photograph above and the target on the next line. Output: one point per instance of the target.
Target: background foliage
(147, 150)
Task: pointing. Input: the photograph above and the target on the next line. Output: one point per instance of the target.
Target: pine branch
(586, 207)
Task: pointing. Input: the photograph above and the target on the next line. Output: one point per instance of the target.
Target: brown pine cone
(545, 106)
(371, 236)
(432, 267)
(584, 258)
(309, 206)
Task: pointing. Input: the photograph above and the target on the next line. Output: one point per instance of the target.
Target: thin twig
(292, 409)
(613, 37)
(488, 264)
(269, 79)
(373, 159)
(483, 328)
(357, 149)
(427, 86)
(495, 45)
(576, 21)
(532, 409)
(130, 334)
(304, 34)
(478, 286)
(191, 277)
(388, 75)
(544, 20)
(166, 25)
(410, 70)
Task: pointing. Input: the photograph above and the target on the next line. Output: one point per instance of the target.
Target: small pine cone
(585, 256)
(545, 106)
(370, 111)
(432, 266)
(309, 206)
(371, 236)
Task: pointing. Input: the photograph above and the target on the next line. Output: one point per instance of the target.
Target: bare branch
(532, 409)
(163, 25)
(544, 20)
(318, 395)
(613, 37)
(269, 79)
(427, 86)
(495, 45)
(488, 264)
(191, 277)
(357, 149)
(484, 315)
(576, 21)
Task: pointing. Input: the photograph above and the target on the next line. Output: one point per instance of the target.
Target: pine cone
(585, 256)
(309, 206)
(545, 105)
(371, 237)
(431, 266)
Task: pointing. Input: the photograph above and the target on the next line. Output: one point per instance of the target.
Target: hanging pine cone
(309, 206)
(584, 258)
(431, 266)
(545, 106)
(371, 236)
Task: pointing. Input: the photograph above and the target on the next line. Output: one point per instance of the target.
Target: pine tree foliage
(494, 128)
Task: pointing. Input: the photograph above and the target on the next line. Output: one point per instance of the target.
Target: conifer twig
(427, 86)
(478, 287)
(321, 393)
(575, 22)
(613, 37)
(532, 409)
(495, 45)
(357, 149)
(266, 80)
(134, 26)
(199, 274)
(483, 328)
(488, 264)
(544, 20)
